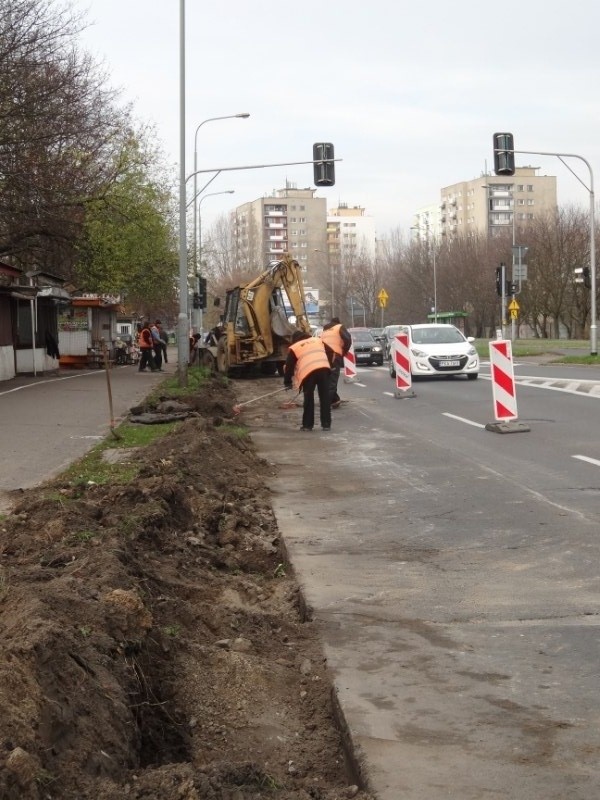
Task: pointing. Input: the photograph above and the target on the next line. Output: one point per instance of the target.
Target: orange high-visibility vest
(310, 355)
(332, 338)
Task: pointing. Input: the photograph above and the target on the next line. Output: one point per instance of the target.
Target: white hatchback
(439, 350)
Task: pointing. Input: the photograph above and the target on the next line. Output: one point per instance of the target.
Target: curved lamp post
(198, 263)
(243, 115)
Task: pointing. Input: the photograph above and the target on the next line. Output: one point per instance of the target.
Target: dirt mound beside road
(153, 639)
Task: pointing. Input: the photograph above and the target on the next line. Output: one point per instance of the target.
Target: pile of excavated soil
(154, 641)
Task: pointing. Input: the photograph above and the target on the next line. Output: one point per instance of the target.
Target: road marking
(462, 419)
(581, 388)
(50, 380)
(594, 461)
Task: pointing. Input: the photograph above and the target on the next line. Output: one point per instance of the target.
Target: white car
(439, 350)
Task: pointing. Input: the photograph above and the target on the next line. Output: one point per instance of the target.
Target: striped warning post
(350, 364)
(401, 360)
(503, 380)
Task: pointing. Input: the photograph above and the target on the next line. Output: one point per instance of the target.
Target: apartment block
(488, 205)
(350, 234)
(288, 220)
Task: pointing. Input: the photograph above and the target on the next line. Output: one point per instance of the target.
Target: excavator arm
(257, 325)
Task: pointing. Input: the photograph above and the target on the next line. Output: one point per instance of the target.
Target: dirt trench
(154, 639)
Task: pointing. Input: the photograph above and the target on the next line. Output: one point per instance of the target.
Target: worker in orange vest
(339, 341)
(307, 368)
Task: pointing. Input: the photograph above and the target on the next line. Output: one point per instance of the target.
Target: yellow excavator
(257, 330)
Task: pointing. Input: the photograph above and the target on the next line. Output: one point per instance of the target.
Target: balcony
(275, 225)
(277, 238)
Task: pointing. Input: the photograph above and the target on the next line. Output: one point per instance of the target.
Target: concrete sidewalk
(33, 410)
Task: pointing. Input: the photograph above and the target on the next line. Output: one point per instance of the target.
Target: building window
(520, 187)
(302, 208)
(303, 244)
(529, 187)
(292, 219)
(530, 202)
(302, 219)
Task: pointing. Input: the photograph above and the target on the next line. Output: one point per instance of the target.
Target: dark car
(377, 334)
(366, 349)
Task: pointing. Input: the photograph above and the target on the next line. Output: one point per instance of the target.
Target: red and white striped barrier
(350, 364)
(401, 361)
(503, 381)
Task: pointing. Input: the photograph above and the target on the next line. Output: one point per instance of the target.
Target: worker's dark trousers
(318, 379)
(333, 383)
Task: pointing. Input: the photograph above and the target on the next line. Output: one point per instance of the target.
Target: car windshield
(439, 335)
(392, 331)
(361, 336)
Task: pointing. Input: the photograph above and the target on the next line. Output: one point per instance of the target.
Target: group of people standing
(152, 340)
(314, 363)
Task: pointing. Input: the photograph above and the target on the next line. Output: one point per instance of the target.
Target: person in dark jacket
(338, 340)
(307, 367)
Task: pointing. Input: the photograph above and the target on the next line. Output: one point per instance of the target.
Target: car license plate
(450, 363)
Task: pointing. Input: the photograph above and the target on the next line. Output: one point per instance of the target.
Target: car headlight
(376, 349)
(471, 351)
(418, 353)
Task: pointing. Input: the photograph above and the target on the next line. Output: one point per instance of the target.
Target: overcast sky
(409, 93)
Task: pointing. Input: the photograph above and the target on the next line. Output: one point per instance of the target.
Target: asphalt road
(454, 572)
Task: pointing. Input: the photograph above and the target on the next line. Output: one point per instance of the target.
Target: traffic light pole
(590, 189)
(503, 323)
(182, 324)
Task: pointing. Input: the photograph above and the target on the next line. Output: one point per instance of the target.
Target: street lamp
(433, 243)
(202, 199)
(198, 264)
(243, 115)
(316, 249)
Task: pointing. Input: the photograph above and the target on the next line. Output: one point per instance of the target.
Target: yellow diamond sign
(383, 298)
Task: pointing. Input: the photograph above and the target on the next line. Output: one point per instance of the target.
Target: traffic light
(202, 297)
(582, 275)
(504, 154)
(323, 164)
(499, 279)
(196, 300)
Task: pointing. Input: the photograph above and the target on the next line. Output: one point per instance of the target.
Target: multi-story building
(289, 220)
(489, 204)
(350, 233)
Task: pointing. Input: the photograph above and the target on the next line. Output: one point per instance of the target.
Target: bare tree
(557, 245)
(59, 132)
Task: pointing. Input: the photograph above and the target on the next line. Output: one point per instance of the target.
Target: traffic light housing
(504, 154)
(582, 275)
(196, 300)
(202, 296)
(323, 164)
(499, 278)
